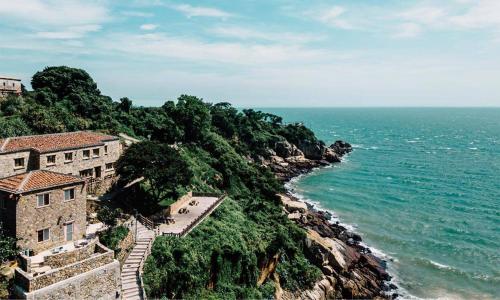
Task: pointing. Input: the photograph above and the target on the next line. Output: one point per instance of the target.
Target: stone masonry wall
(65, 258)
(99, 283)
(30, 219)
(7, 163)
(80, 163)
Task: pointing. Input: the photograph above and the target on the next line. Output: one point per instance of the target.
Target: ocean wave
(441, 266)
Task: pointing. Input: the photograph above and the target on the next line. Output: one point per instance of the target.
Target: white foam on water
(441, 266)
(403, 294)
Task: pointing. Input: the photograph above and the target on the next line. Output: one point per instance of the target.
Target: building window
(105, 150)
(3, 204)
(86, 154)
(43, 235)
(109, 166)
(95, 152)
(86, 173)
(68, 157)
(19, 162)
(68, 229)
(69, 194)
(51, 160)
(43, 200)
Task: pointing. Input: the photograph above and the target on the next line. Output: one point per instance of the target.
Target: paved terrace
(184, 223)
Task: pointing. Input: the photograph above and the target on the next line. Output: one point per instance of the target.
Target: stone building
(44, 181)
(9, 86)
(90, 155)
(43, 209)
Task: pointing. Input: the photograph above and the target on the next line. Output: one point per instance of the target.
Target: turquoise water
(422, 186)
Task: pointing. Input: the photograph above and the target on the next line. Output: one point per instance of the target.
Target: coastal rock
(331, 156)
(293, 206)
(330, 251)
(323, 289)
(312, 150)
(341, 147)
(286, 149)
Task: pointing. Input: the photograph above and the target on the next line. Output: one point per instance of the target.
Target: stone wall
(62, 259)
(28, 283)
(30, 219)
(102, 282)
(80, 163)
(7, 163)
(125, 246)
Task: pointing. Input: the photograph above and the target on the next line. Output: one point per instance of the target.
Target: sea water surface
(422, 186)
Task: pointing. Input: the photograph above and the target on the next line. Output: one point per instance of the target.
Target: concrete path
(131, 282)
(196, 214)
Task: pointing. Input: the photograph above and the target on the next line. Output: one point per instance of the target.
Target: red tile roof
(54, 142)
(36, 180)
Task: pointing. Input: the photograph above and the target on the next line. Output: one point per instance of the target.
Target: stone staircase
(131, 271)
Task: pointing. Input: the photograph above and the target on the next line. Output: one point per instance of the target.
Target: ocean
(422, 187)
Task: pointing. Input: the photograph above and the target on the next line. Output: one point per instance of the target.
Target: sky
(257, 53)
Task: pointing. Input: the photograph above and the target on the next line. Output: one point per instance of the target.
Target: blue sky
(265, 53)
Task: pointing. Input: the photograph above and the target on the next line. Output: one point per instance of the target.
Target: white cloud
(243, 33)
(140, 14)
(332, 16)
(200, 11)
(463, 15)
(149, 26)
(52, 12)
(408, 30)
(161, 45)
(424, 15)
(485, 14)
(73, 32)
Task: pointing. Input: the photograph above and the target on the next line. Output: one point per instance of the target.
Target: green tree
(161, 166)
(8, 247)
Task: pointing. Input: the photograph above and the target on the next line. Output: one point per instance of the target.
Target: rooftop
(36, 180)
(10, 78)
(54, 142)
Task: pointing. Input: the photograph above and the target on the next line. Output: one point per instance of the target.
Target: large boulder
(312, 150)
(293, 206)
(341, 147)
(331, 156)
(286, 149)
(331, 251)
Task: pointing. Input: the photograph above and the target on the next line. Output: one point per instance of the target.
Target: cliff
(349, 269)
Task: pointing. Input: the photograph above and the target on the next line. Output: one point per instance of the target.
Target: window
(86, 154)
(19, 162)
(51, 160)
(68, 229)
(109, 166)
(69, 194)
(43, 200)
(95, 152)
(105, 150)
(43, 235)
(68, 157)
(86, 173)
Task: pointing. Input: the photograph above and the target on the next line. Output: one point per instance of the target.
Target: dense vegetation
(188, 145)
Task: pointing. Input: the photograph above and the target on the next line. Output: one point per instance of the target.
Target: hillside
(249, 244)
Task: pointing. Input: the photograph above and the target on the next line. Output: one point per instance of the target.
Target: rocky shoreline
(349, 269)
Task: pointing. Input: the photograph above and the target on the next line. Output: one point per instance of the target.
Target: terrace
(188, 212)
